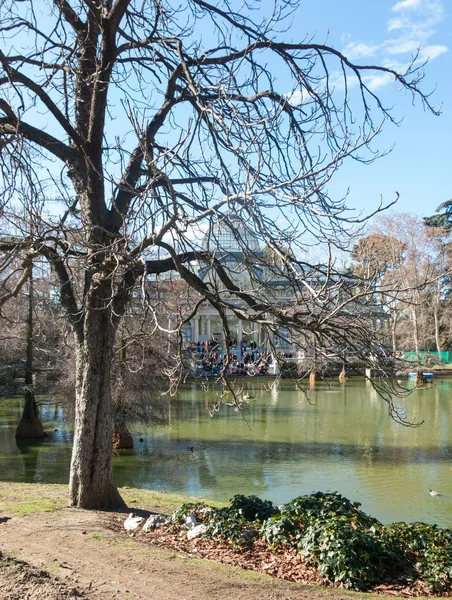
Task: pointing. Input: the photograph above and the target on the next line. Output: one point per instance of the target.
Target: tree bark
(394, 331)
(122, 438)
(91, 482)
(436, 316)
(437, 338)
(415, 332)
(30, 425)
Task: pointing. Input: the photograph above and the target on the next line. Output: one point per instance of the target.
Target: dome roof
(230, 234)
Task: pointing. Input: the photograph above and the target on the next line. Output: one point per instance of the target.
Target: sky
(388, 33)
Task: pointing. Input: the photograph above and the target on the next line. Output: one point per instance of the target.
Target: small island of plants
(321, 538)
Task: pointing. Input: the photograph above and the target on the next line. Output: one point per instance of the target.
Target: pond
(285, 446)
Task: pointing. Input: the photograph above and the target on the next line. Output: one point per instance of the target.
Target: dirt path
(86, 559)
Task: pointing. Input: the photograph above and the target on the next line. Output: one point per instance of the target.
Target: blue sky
(388, 33)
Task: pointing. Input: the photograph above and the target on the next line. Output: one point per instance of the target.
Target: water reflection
(287, 444)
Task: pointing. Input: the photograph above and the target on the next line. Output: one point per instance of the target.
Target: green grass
(20, 499)
(113, 541)
(159, 501)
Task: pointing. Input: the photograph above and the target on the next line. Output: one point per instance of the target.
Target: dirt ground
(71, 553)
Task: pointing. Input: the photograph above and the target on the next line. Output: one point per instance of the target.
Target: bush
(189, 508)
(231, 526)
(426, 550)
(325, 505)
(239, 522)
(344, 553)
(333, 534)
(252, 508)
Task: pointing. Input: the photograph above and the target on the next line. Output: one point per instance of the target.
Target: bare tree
(439, 300)
(379, 257)
(137, 126)
(415, 267)
(30, 425)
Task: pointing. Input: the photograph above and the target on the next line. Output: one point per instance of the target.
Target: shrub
(332, 533)
(231, 526)
(189, 508)
(426, 550)
(252, 508)
(238, 523)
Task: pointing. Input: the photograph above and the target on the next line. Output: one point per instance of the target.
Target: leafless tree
(440, 301)
(135, 127)
(379, 257)
(411, 266)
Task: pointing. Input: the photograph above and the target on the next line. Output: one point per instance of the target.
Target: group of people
(209, 358)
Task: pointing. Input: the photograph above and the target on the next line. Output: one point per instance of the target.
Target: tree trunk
(415, 332)
(30, 425)
(436, 317)
(91, 482)
(122, 438)
(393, 334)
(312, 378)
(437, 338)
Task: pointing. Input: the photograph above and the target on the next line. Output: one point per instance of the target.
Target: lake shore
(52, 552)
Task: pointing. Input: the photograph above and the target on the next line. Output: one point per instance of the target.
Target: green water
(285, 446)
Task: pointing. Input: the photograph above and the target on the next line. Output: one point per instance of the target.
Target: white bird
(433, 493)
(190, 521)
(132, 522)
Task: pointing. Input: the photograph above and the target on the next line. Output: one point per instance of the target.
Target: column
(195, 329)
(239, 333)
(208, 332)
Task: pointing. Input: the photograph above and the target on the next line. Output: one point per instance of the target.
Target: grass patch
(154, 501)
(31, 507)
(20, 499)
(124, 542)
(98, 537)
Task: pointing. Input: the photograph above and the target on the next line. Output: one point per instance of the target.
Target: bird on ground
(434, 493)
(132, 522)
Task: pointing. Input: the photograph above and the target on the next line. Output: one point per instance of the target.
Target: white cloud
(395, 24)
(417, 16)
(295, 98)
(401, 46)
(375, 82)
(356, 50)
(406, 4)
(432, 52)
(337, 82)
(414, 22)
